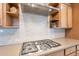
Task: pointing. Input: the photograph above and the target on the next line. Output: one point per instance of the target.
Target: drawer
(73, 54)
(58, 53)
(70, 50)
(77, 47)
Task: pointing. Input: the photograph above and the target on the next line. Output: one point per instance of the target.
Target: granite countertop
(65, 43)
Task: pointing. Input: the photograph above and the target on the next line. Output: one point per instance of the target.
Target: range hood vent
(37, 8)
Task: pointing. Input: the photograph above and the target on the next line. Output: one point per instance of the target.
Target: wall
(32, 27)
(74, 32)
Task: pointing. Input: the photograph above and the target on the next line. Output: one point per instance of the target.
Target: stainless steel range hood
(34, 8)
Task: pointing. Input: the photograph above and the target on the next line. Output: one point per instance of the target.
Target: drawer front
(77, 47)
(58, 53)
(73, 54)
(70, 50)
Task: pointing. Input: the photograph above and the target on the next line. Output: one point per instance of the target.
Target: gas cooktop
(40, 45)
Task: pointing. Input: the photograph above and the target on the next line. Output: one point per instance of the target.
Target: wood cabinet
(9, 15)
(77, 53)
(69, 21)
(61, 18)
(1, 14)
(53, 17)
(71, 51)
(66, 16)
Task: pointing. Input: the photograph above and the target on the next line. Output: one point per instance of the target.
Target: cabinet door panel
(69, 17)
(0, 14)
(70, 50)
(6, 18)
(63, 16)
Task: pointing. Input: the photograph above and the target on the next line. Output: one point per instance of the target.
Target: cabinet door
(63, 16)
(0, 14)
(7, 19)
(77, 53)
(70, 50)
(69, 17)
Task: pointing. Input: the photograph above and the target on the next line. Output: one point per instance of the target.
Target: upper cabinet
(66, 16)
(69, 17)
(53, 16)
(9, 15)
(61, 18)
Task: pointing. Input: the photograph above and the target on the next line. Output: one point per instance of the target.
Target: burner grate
(40, 45)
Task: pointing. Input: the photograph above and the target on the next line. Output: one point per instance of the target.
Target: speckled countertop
(65, 43)
(16, 48)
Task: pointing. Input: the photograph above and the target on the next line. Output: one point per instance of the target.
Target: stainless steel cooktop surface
(40, 45)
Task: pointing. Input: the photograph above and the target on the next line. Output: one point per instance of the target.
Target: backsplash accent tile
(32, 27)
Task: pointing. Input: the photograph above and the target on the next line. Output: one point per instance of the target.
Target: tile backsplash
(32, 27)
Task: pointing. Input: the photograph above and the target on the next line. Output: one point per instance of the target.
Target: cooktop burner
(40, 45)
(28, 47)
